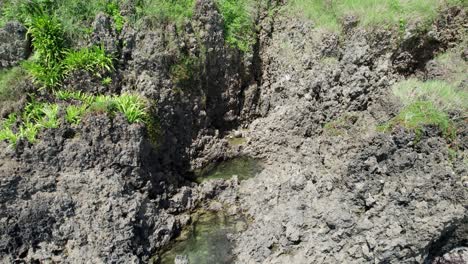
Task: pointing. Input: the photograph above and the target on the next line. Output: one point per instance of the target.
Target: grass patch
(89, 59)
(442, 95)
(328, 14)
(238, 23)
(52, 59)
(165, 11)
(76, 16)
(133, 107)
(420, 114)
(37, 116)
(453, 65)
(427, 103)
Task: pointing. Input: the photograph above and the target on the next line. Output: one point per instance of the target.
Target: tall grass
(76, 16)
(164, 11)
(428, 103)
(441, 94)
(392, 13)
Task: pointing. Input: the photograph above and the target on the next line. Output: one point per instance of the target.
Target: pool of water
(243, 167)
(206, 240)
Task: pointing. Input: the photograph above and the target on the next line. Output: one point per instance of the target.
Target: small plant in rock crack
(112, 9)
(106, 81)
(74, 113)
(49, 117)
(74, 95)
(6, 130)
(132, 107)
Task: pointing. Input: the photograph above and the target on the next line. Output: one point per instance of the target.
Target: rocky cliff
(334, 188)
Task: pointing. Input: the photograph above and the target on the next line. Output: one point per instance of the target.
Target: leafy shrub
(112, 9)
(88, 59)
(238, 23)
(419, 114)
(49, 116)
(76, 16)
(106, 81)
(47, 39)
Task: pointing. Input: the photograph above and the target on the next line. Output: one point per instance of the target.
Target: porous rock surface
(13, 44)
(102, 192)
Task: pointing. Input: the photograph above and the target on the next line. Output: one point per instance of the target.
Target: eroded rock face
(102, 192)
(13, 44)
(343, 194)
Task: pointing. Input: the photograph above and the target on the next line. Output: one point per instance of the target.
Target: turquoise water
(243, 167)
(206, 240)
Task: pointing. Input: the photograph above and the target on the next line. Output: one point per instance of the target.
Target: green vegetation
(35, 117)
(419, 114)
(88, 59)
(42, 115)
(453, 65)
(76, 16)
(428, 103)
(392, 13)
(9, 78)
(132, 107)
(238, 23)
(52, 59)
(442, 95)
(74, 113)
(165, 11)
(183, 71)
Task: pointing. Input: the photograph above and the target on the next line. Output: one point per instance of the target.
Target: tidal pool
(206, 240)
(243, 167)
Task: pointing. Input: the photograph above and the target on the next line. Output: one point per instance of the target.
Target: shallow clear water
(206, 241)
(243, 167)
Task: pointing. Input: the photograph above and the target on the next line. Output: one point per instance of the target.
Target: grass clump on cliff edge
(37, 116)
(417, 115)
(52, 59)
(238, 23)
(427, 103)
(76, 16)
(165, 10)
(393, 13)
(441, 94)
(133, 107)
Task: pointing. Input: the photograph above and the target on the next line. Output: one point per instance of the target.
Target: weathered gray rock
(102, 192)
(14, 46)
